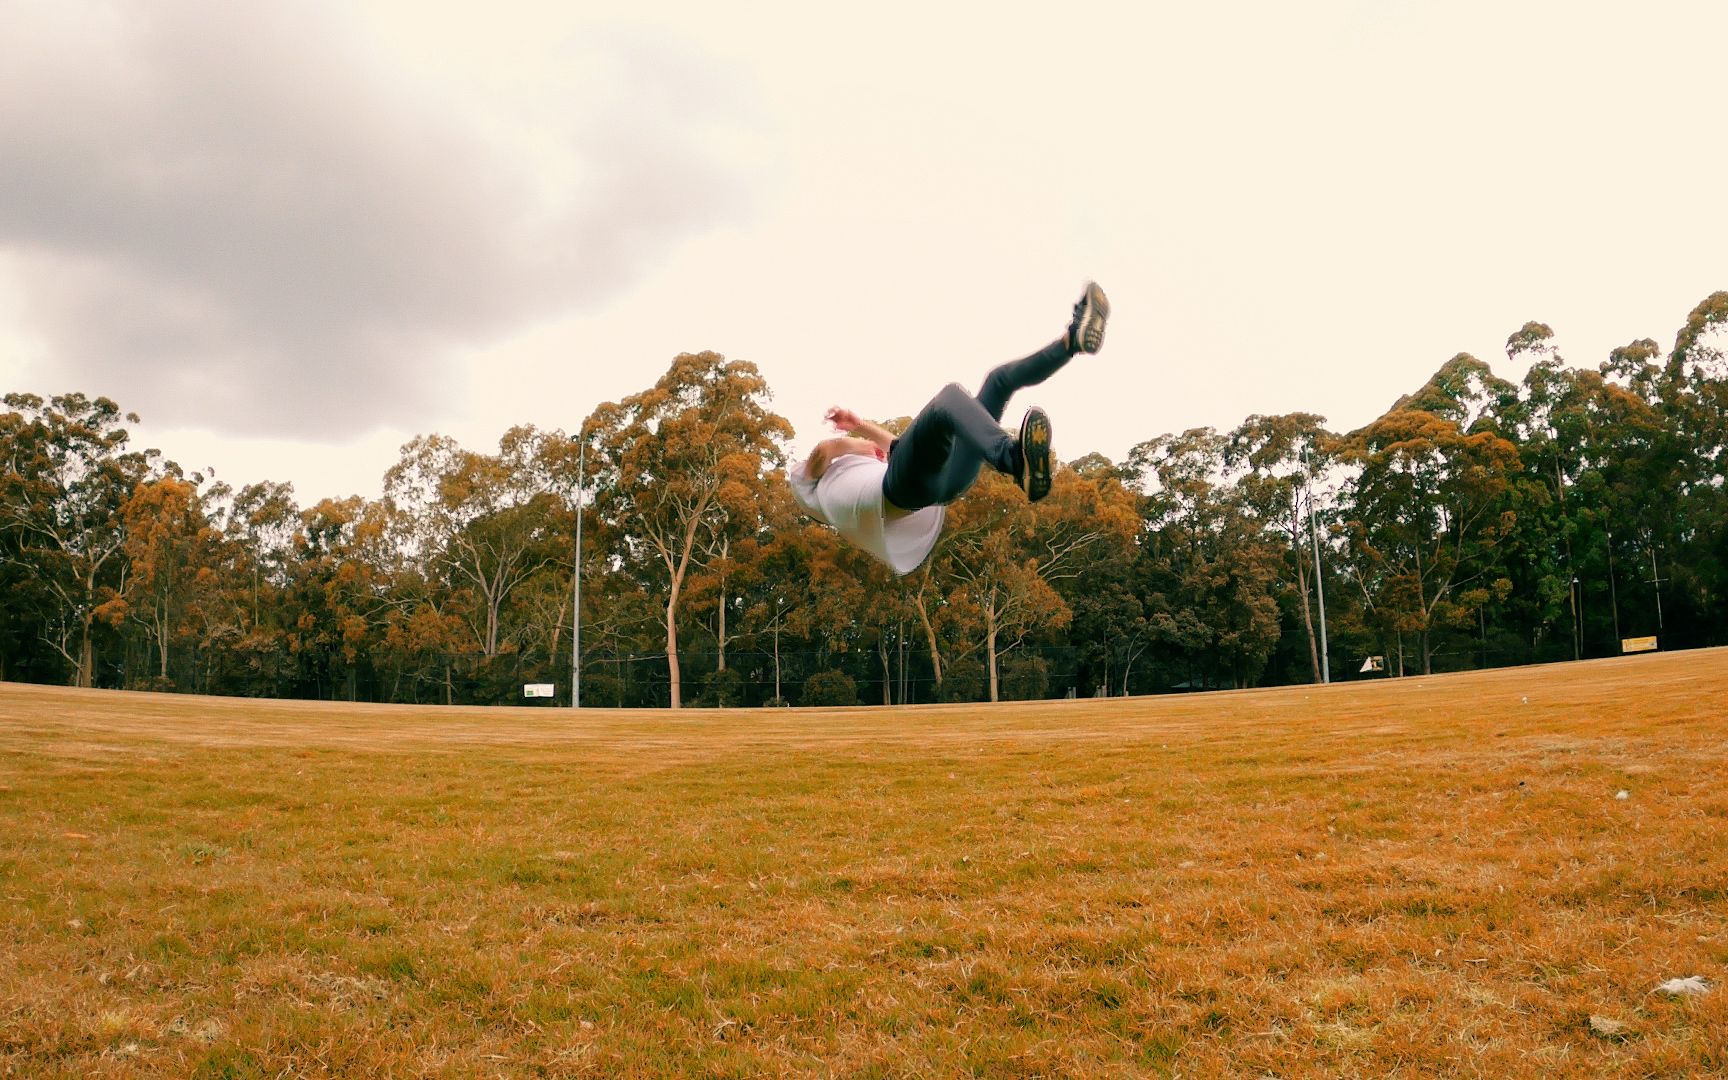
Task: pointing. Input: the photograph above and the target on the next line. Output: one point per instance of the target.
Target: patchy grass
(1390, 878)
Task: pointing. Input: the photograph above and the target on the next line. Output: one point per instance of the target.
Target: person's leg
(1085, 334)
(983, 440)
(1002, 381)
(940, 454)
(1034, 462)
(956, 434)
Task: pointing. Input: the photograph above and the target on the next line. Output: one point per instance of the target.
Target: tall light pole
(777, 602)
(576, 586)
(1576, 597)
(1656, 583)
(1613, 592)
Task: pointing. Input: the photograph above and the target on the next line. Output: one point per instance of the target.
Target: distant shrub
(829, 688)
(497, 679)
(722, 689)
(962, 682)
(1024, 677)
(602, 688)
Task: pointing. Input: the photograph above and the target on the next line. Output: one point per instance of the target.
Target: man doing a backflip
(886, 495)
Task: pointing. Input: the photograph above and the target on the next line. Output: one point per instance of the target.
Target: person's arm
(850, 422)
(829, 449)
(804, 489)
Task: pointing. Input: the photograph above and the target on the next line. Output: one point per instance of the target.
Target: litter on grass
(1608, 1028)
(1694, 984)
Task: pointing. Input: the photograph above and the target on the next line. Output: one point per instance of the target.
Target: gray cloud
(242, 216)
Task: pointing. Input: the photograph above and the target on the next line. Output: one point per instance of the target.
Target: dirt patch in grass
(1431, 875)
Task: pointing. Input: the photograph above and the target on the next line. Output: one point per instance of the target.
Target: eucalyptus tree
(246, 633)
(677, 472)
(171, 549)
(1696, 397)
(344, 565)
(67, 474)
(1278, 459)
(1212, 567)
(1422, 519)
(480, 523)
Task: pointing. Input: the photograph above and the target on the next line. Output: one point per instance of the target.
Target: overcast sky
(294, 235)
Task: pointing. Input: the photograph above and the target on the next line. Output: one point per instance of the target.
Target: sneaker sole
(1098, 309)
(1035, 451)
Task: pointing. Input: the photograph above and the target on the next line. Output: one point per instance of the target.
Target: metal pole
(1577, 598)
(1656, 583)
(1319, 585)
(576, 586)
(777, 614)
(1613, 592)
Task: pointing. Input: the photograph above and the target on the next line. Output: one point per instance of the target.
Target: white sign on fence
(537, 689)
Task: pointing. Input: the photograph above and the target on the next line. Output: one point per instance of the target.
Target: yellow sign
(1637, 644)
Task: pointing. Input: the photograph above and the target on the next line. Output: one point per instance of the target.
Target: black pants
(957, 434)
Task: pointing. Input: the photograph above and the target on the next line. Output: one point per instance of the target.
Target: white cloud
(1294, 207)
(244, 215)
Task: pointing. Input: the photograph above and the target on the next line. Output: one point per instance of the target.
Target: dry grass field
(1397, 878)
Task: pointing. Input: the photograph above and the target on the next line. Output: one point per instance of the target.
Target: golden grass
(1404, 878)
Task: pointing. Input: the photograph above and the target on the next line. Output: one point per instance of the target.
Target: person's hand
(844, 419)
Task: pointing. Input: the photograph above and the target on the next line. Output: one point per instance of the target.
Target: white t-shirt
(849, 497)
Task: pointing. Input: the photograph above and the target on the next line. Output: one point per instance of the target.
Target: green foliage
(723, 689)
(829, 688)
(1025, 677)
(963, 681)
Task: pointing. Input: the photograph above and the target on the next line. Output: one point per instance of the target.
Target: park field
(1413, 877)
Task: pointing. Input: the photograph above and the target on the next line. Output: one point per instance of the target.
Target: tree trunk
(1302, 556)
(930, 636)
(85, 675)
(677, 700)
(990, 646)
(1308, 617)
(721, 636)
(676, 569)
(725, 552)
(887, 675)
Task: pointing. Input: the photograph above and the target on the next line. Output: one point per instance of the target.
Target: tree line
(1478, 522)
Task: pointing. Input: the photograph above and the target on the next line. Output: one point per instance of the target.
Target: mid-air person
(886, 495)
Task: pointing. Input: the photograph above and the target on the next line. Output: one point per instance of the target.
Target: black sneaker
(1036, 463)
(1086, 332)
